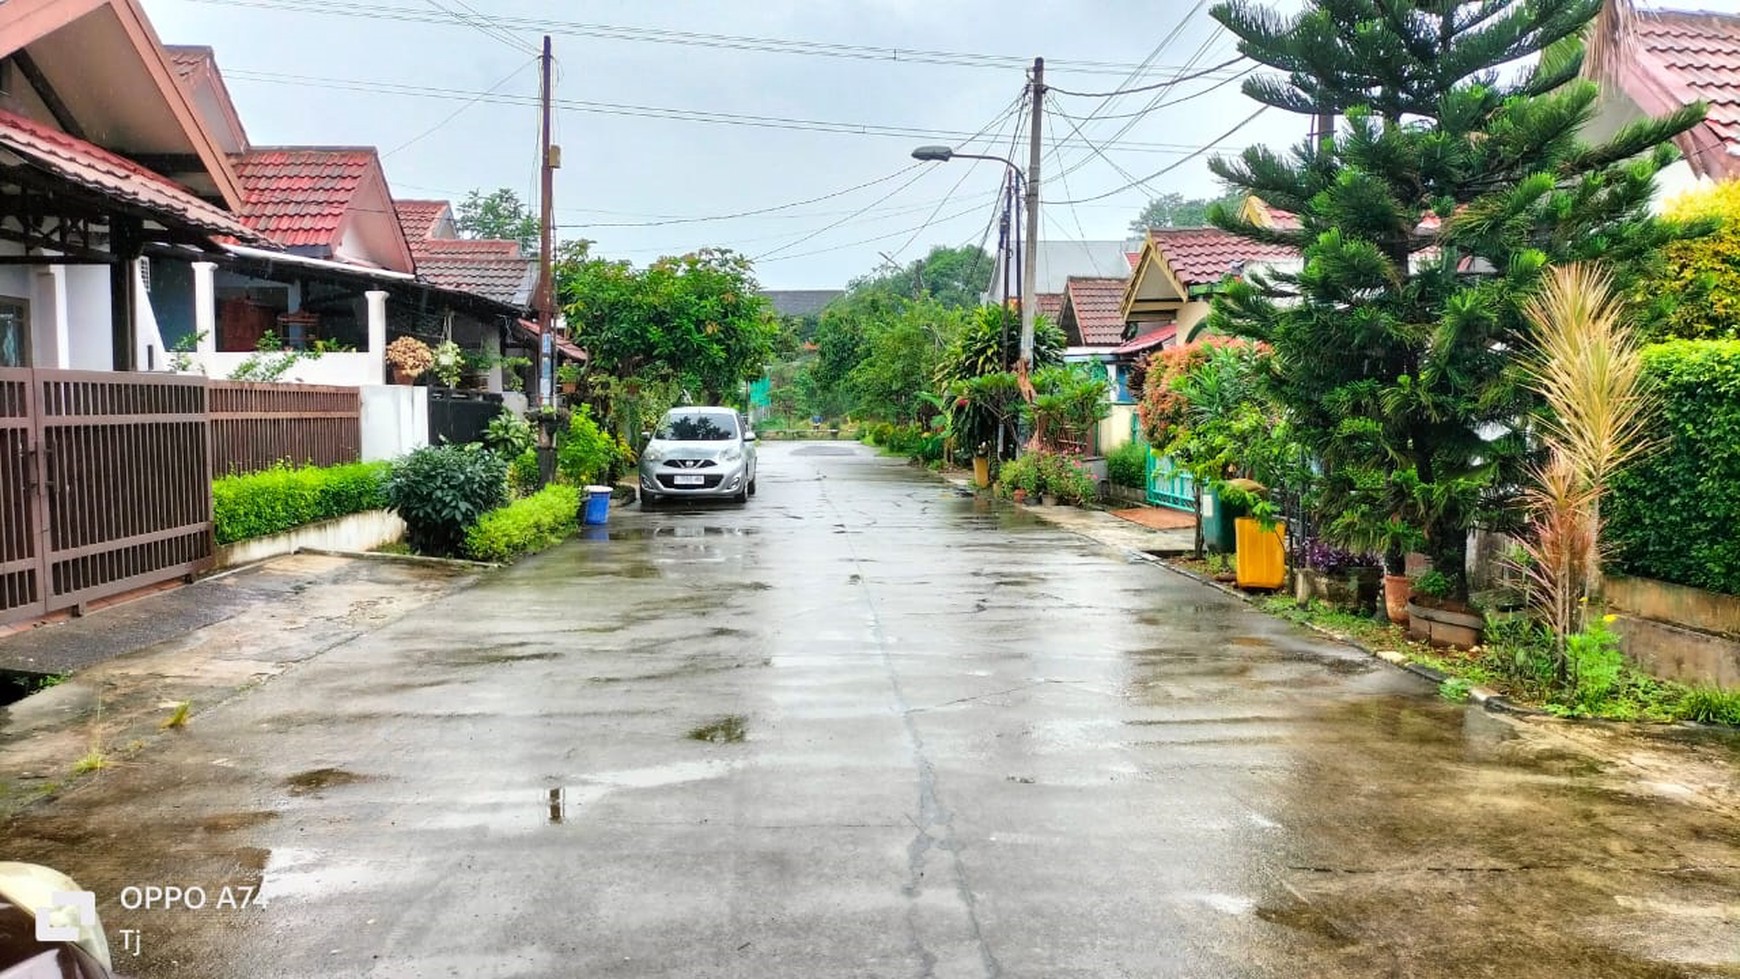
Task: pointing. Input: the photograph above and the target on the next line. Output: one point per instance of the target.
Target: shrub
(525, 526)
(1710, 705)
(508, 435)
(1127, 465)
(440, 491)
(278, 499)
(1691, 287)
(1596, 665)
(1671, 514)
(1019, 474)
(523, 473)
(585, 453)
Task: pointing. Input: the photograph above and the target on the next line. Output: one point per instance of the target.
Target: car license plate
(688, 481)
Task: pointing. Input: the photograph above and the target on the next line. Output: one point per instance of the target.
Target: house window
(14, 332)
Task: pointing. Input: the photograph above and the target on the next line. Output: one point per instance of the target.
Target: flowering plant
(1320, 555)
(410, 355)
(449, 363)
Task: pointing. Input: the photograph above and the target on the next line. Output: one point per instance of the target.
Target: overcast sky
(396, 77)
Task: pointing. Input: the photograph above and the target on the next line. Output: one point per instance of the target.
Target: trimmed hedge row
(525, 526)
(275, 500)
(1672, 515)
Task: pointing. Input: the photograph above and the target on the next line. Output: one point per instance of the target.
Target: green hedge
(525, 526)
(1127, 465)
(279, 499)
(1672, 515)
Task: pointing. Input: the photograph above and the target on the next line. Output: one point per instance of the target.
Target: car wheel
(648, 500)
(742, 495)
(751, 487)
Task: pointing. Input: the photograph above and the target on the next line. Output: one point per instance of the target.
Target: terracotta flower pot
(1397, 589)
(1020, 496)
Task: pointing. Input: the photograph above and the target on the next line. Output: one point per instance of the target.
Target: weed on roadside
(179, 718)
(726, 730)
(93, 761)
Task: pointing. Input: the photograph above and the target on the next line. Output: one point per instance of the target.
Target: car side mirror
(646, 436)
(748, 436)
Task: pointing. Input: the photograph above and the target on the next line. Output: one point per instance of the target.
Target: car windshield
(697, 427)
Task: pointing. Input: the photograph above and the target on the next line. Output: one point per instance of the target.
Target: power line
(456, 112)
(1149, 88)
(757, 211)
(966, 172)
(1171, 166)
(483, 26)
(658, 112)
(735, 42)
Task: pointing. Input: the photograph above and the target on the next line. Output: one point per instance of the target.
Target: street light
(943, 154)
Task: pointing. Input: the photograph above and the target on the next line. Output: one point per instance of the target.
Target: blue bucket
(597, 510)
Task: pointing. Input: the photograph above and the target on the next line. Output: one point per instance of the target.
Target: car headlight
(731, 455)
(652, 455)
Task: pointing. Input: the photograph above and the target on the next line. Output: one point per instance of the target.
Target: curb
(438, 562)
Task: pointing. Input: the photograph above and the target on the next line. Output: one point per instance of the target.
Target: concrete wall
(1677, 632)
(1115, 427)
(395, 420)
(344, 369)
(356, 532)
(90, 340)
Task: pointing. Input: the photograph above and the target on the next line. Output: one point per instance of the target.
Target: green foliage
(1710, 705)
(270, 360)
(1054, 473)
(901, 354)
(1434, 584)
(1596, 665)
(1069, 401)
(913, 441)
(1691, 288)
(440, 491)
(1127, 465)
(525, 526)
(523, 473)
(1019, 473)
(1425, 222)
(498, 214)
(278, 499)
(989, 342)
(1456, 690)
(954, 278)
(1174, 210)
(585, 453)
(1672, 515)
(509, 435)
(697, 318)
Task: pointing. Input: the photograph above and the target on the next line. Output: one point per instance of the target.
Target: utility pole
(1031, 259)
(546, 302)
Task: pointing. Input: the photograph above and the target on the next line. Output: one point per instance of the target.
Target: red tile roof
(1148, 341)
(299, 195)
(505, 280)
(1204, 256)
(566, 347)
(418, 218)
(1048, 304)
(1096, 310)
(97, 169)
(467, 247)
(1675, 57)
(1134, 258)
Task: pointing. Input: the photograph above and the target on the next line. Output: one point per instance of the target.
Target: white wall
(345, 369)
(395, 420)
(89, 337)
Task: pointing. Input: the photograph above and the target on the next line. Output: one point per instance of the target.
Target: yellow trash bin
(1261, 560)
(981, 472)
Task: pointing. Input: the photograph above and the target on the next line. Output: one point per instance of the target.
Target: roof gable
(425, 219)
(1671, 58)
(1092, 312)
(196, 67)
(110, 82)
(328, 198)
(1177, 261)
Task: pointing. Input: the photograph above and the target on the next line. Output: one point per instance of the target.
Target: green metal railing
(1169, 486)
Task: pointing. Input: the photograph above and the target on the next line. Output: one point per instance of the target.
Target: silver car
(698, 452)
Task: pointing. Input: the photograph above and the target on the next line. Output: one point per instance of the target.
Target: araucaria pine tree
(1457, 173)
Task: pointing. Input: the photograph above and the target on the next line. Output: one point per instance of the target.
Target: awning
(1147, 341)
(563, 347)
(94, 168)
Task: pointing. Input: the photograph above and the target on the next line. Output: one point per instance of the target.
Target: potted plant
(568, 379)
(1435, 617)
(410, 358)
(1339, 577)
(449, 363)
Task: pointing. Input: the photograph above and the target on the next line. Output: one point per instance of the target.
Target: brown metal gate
(105, 485)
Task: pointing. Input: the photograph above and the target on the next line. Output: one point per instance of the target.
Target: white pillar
(62, 320)
(377, 350)
(205, 311)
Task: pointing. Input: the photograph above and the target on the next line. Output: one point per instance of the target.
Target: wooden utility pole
(1030, 261)
(544, 396)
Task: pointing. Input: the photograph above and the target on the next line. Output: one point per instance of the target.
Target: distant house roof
(1058, 260)
(298, 196)
(1048, 305)
(418, 218)
(1204, 256)
(489, 272)
(1675, 57)
(115, 177)
(801, 302)
(565, 347)
(1148, 341)
(1093, 311)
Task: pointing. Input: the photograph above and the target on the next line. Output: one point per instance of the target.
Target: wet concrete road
(971, 745)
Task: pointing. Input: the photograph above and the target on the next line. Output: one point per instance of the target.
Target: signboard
(547, 368)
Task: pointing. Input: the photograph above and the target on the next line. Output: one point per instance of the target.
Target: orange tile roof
(1148, 341)
(95, 168)
(299, 195)
(1204, 256)
(418, 218)
(1095, 310)
(1048, 304)
(1675, 57)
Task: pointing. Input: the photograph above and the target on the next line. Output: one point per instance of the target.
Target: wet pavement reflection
(867, 726)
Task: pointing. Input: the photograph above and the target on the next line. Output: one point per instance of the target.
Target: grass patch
(178, 719)
(93, 761)
(726, 730)
(1517, 664)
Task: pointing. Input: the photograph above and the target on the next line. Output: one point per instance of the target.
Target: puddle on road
(730, 729)
(316, 779)
(230, 822)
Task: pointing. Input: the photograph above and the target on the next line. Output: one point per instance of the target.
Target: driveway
(867, 726)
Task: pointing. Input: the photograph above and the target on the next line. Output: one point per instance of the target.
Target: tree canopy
(1174, 210)
(497, 214)
(1453, 181)
(954, 277)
